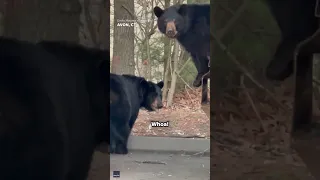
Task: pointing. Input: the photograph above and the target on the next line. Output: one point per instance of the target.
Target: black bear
(128, 94)
(297, 21)
(190, 25)
(53, 109)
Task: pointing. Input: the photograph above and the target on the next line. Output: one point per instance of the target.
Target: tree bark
(147, 29)
(166, 60)
(95, 23)
(1, 23)
(123, 40)
(104, 26)
(166, 76)
(174, 74)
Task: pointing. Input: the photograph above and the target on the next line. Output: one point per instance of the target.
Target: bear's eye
(170, 20)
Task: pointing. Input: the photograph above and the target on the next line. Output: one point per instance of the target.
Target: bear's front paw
(205, 102)
(121, 149)
(197, 82)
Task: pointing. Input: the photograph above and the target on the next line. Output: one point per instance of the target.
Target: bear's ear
(144, 86)
(183, 9)
(160, 84)
(158, 11)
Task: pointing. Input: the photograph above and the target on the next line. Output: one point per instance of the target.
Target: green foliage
(188, 74)
(156, 53)
(252, 39)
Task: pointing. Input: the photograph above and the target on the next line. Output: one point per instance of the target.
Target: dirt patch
(183, 122)
(246, 164)
(186, 118)
(251, 137)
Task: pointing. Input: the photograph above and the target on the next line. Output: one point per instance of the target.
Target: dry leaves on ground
(185, 116)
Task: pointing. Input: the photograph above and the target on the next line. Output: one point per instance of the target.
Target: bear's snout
(157, 104)
(171, 31)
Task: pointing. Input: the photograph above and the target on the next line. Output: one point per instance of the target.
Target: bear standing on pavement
(127, 95)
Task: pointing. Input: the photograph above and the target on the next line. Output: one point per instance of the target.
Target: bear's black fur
(53, 109)
(190, 25)
(127, 95)
(297, 21)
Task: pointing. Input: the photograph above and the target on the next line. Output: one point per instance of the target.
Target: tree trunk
(2, 11)
(149, 65)
(174, 73)
(123, 40)
(316, 92)
(147, 29)
(1, 23)
(104, 26)
(137, 55)
(166, 74)
(38, 20)
(95, 23)
(145, 49)
(144, 65)
(166, 60)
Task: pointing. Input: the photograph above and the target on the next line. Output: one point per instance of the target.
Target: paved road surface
(141, 165)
